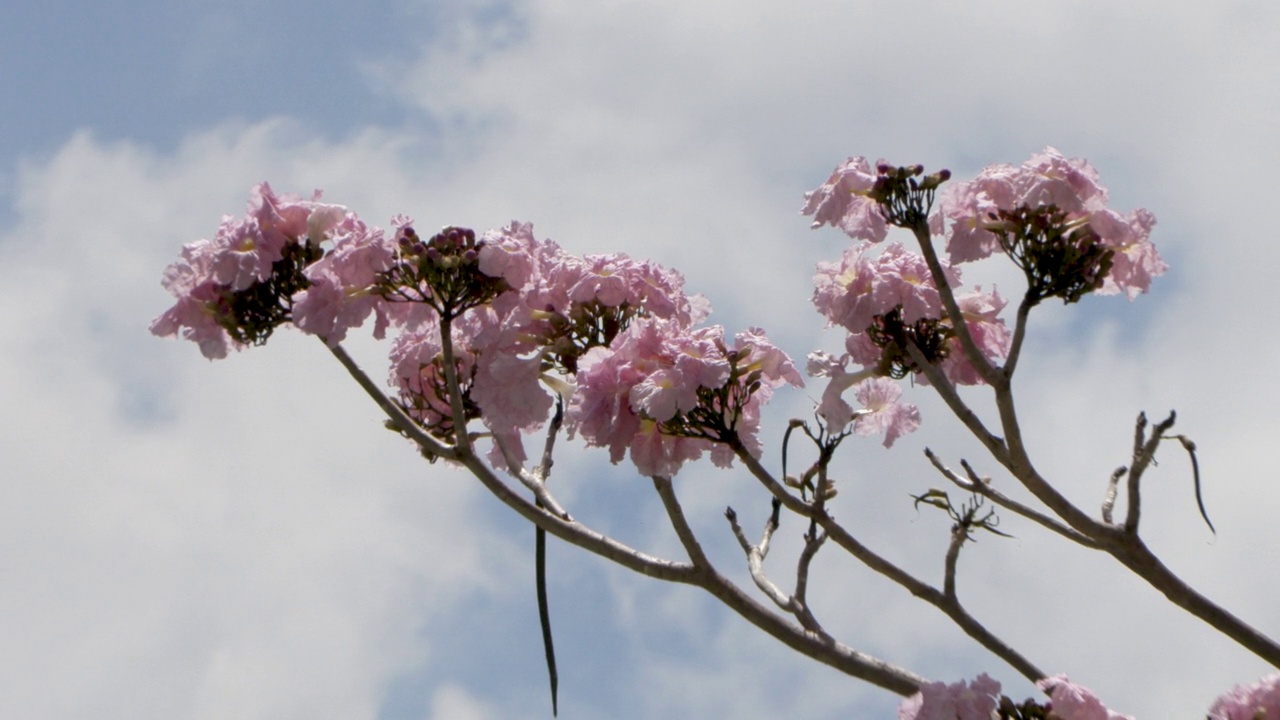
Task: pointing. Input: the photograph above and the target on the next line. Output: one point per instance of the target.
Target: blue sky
(186, 539)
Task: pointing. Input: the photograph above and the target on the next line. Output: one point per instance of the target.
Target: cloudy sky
(242, 539)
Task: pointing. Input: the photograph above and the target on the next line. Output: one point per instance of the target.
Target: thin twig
(1190, 447)
(842, 537)
(1144, 454)
(975, 484)
(1113, 486)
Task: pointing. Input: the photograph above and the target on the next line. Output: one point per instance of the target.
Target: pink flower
(510, 253)
(655, 453)
(194, 316)
(842, 202)
(341, 295)
(858, 288)
(1246, 702)
(1075, 702)
(282, 219)
(833, 409)
(1136, 261)
(957, 701)
(600, 410)
(970, 207)
(245, 251)
(1052, 179)
(509, 390)
(903, 278)
(1049, 179)
(989, 332)
(883, 413)
(657, 372)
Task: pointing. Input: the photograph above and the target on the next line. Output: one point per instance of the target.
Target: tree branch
(975, 484)
(949, 606)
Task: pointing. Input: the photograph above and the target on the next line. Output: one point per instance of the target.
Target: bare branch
(977, 485)
(394, 412)
(812, 543)
(842, 537)
(1109, 502)
(676, 514)
(959, 534)
(1144, 454)
(1019, 335)
(755, 561)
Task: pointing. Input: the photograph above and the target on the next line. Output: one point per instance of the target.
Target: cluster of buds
(442, 272)
(904, 199)
(1061, 257)
(892, 336)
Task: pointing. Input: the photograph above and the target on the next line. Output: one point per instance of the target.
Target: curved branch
(976, 485)
(397, 416)
(819, 646)
(839, 656)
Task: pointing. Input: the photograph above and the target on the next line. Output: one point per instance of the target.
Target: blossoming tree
(503, 343)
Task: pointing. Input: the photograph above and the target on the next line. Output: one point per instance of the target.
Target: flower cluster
(666, 393)
(1259, 701)
(617, 336)
(957, 701)
(527, 322)
(235, 289)
(1049, 216)
(981, 700)
(988, 213)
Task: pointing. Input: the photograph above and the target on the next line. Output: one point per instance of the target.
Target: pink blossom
(1048, 178)
(833, 409)
(600, 410)
(1075, 702)
(508, 389)
(989, 332)
(757, 357)
(903, 278)
(883, 413)
(283, 219)
(861, 286)
(657, 454)
(842, 202)
(548, 280)
(417, 371)
(194, 316)
(245, 250)
(510, 253)
(240, 254)
(957, 701)
(1249, 702)
(1136, 261)
(342, 295)
(970, 206)
(757, 352)
(656, 371)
